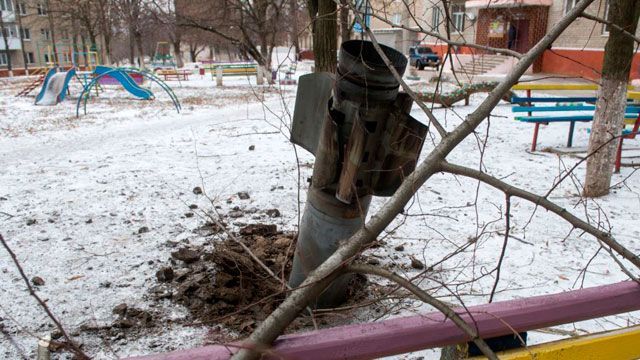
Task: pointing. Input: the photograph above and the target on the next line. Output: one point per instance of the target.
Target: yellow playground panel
(537, 86)
(611, 345)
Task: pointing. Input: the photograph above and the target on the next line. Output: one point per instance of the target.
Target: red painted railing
(401, 335)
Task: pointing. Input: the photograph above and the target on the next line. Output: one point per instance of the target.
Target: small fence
(432, 330)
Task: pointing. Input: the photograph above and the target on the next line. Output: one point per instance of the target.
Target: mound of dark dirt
(226, 286)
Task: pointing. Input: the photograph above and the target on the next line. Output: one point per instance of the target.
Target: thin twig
(439, 305)
(507, 213)
(70, 344)
(603, 236)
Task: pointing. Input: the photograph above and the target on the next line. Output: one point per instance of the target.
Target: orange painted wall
(585, 63)
(442, 49)
(579, 63)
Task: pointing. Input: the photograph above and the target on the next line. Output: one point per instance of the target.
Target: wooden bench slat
(538, 86)
(629, 109)
(533, 86)
(560, 118)
(518, 99)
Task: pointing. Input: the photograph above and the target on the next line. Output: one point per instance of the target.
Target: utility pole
(365, 143)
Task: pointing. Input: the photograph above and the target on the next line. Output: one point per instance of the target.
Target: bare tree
(254, 27)
(433, 163)
(612, 97)
(325, 34)
(18, 15)
(5, 37)
(106, 21)
(52, 29)
(131, 12)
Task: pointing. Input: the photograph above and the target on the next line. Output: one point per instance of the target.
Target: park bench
(563, 107)
(174, 74)
(565, 110)
(234, 69)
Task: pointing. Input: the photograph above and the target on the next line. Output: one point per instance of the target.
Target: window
(435, 18)
(3, 58)
(46, 58)
(64, 35)
(45, 33)
(568, 5)
(10, 31)
(605, 27)
(396, 18)
(25, 34)
(6, 5)
(42, 10)
(22, 7)
(457, 16)
(30, 58)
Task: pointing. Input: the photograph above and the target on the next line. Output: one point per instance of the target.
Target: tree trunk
(74, 41)
(612, 97)
(264, 51)
(24, 53)
(6, 44)
(138, 38)
(106, 49)
(132, 45)
(345, 25)
(56, 60)
(325, 41)
(177, 52)
(84, 51)
(293, 13)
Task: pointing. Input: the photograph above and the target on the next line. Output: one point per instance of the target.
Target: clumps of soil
(226, 286)
(130, 322)
(129, 317)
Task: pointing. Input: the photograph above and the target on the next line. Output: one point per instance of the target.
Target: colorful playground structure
(163, 58)
(124, 77)
(55, 84)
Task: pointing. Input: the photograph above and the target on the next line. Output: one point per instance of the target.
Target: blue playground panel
(125, 80)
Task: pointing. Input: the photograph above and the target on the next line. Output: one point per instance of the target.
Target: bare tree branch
(70, 344)
(317, 280)
(609, 23)
(510, 190)
(507, 214)
(422, 295)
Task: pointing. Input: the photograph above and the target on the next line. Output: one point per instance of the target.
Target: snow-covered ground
(77, 193)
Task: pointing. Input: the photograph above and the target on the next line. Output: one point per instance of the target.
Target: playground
(110, 195)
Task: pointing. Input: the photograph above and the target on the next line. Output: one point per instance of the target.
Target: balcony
(8, 16)
(14, 43)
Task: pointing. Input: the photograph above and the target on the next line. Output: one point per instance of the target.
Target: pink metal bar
(401, 335)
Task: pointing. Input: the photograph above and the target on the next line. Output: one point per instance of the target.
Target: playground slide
(126, 81)
(54, 87)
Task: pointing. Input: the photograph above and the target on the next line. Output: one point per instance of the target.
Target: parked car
(421, 56)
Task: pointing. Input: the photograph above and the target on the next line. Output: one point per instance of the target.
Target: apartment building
(513, 24)
(27, 25)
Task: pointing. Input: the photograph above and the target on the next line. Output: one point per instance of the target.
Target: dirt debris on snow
(225, 286)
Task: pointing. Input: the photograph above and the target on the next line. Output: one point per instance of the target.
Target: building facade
(27, 25)
(512, 24)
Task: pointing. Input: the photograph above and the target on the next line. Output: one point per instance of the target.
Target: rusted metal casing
(365, 142)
